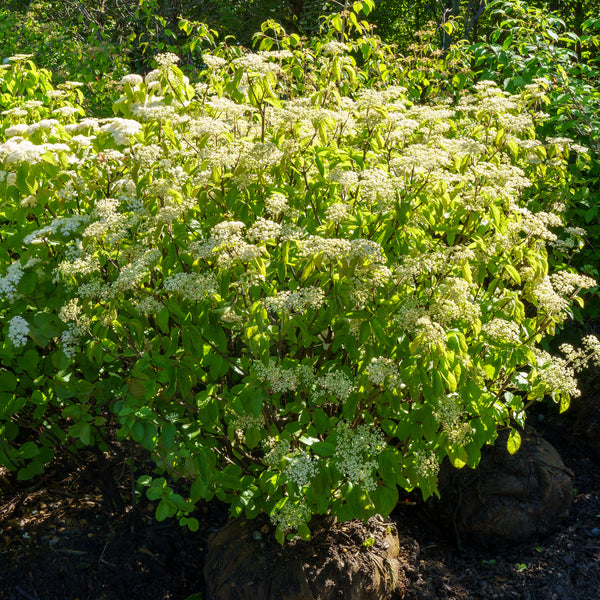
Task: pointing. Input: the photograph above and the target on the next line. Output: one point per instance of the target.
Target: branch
(475, 18)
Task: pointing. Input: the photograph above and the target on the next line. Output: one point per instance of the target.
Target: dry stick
(21, 590)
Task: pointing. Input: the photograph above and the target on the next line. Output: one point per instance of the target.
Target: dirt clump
(350, 561)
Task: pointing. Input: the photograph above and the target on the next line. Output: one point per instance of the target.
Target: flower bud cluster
(566, 283)
(383, 371)
(335, 383)
(291, 515)
(427, 464)
(18, 330)
(280, 379)
(275, 451)
(241, 423)
(301, 467)
(70, 338)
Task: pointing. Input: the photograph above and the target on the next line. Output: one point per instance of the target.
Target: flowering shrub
(294, 287)
(529, 43)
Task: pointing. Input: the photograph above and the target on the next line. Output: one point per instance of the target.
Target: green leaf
(162, 319)
(229, 477)
(514, 441)
(8, 382)
(137, 432)
(28, 450)
(320, 420)
(165, 509)
(280, 534)
(323, 449)
(385, 499)
(304, 531)
(389, 466)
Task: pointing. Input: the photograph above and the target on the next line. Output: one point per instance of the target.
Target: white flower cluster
(167, 59)
(275, 451)
(86, 125)
(71, 311)
(280, 379)
(367, 251)
(207, 126)
(429, 334)
(298, 301)
(70, 338)
(383, 371)
(133, 273)
(330, 248)
(557, 373)
(9, 283)
(291, 515)
(580, 358)
(448, 411)
(412, 267)
(357, 451)
(66, 226)
(337, 213)
(276, 204)
(264, 230)
(16, 151)
(18, 330)
(153, 110)
(502, 330)
(193, 286)
(148, 306)
(83, 265)
(454, 302)
(534, 224)
(567, 283)
(212, 61)
(591, 345)
(459, 434)
(121, 130)
(548, 299)
(378, 188)
(301, 467)
(227, 245)
(45, 125)
(133, 79)
(348, 180)
(334, 48)
(256, 63)
(241, 423)
(335, 383)
(420, 159)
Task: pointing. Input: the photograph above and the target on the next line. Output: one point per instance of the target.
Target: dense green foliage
(301, 277)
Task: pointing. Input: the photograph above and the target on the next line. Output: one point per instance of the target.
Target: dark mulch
(58, 541)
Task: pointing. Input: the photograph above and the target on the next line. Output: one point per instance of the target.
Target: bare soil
(61, 538)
